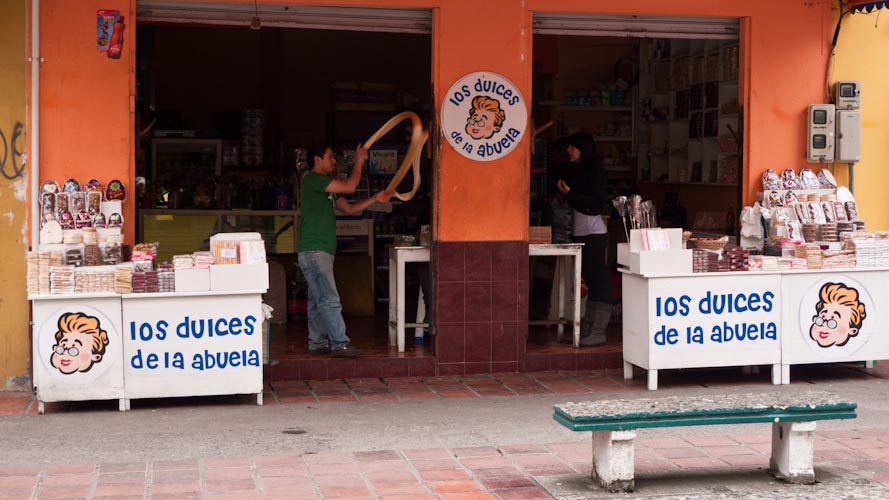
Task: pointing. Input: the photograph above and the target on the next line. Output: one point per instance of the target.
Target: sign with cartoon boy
(484, 116)
(837, 318)
(77, 350)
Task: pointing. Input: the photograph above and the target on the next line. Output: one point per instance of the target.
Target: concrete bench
(792, 415)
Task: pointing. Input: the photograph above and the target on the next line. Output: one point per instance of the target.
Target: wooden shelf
(702, 184)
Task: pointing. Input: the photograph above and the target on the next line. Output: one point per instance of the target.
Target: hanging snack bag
(76, 202)
(789, 179)
(71, 186)
(99, 220)
(93, 186)
(790, 198)
(66, 220)
(63, 203)
(770, 180)
(93, 202)
(808, 179)
(115, 220)
(82, 219)
(48, 204)
(115, 191)
(50, 187)
(830, 214)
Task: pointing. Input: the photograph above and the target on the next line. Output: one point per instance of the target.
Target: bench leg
(613, 460)
(652, 380)
(793, 449)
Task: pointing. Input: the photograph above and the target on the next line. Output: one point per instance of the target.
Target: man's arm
(357, 207)
(348, 186)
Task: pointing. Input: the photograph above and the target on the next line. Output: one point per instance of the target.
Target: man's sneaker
(320, 350)
(346, 352)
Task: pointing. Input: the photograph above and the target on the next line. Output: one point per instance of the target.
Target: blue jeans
(324, 309)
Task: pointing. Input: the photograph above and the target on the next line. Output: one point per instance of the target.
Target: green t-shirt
(317, 223)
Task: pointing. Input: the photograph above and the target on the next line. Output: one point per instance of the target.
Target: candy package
(82, 219)
(816, 214)
(840, 210)
(830, 214)
(789, 179)
(76, 202)
(93, 202)
(50, 187)
(826, 180)
(770, 180)
(790, 198)
(63, 203)
(48, 204)
(801, 213)
(774, 199)
(851, 210)
(808, 179)
(71, 186)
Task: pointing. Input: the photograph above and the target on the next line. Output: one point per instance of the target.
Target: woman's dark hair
(318, 149)
(585, 143)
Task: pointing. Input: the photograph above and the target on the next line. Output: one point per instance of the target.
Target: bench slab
(703, 410)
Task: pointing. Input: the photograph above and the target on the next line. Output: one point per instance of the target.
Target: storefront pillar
(14, 181)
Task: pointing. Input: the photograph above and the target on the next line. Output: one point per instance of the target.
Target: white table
(398, 256)
(565, 280)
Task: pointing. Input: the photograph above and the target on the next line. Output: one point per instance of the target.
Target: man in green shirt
(319, 194)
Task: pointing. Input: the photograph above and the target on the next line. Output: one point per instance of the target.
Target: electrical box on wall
(848, 131)
(820, 131)
(847, 94)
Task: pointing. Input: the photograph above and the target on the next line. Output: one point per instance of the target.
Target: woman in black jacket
(584, 188)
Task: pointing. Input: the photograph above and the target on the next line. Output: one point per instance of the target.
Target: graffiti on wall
(12, 160)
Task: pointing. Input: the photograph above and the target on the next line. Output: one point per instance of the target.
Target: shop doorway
(228, 97)
(663, 99)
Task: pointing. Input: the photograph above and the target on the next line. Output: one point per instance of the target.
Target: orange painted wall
(87, 125)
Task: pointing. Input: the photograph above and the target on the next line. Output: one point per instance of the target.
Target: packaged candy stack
(837, 259)
(813, 256)
(183, 262)
(152, 283)
(738, 259)
(61, 279)
(785, 263)
(810, 232)
(33, 273)
(203, 260)
(93, 281)
(871, 249)
(704, 261)
(796, 264)
(251, 252)
(166, 277)
(144, 252)
(111, 252)
(224, 251)
(123, 278)
(140, 283)
(829, 232)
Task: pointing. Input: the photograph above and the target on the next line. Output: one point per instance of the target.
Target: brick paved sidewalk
(505, 472)
(479, 386)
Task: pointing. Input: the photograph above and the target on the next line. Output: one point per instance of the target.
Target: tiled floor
(490, 472)
(477, 386)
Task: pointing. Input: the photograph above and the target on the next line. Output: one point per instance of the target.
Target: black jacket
(588, 184)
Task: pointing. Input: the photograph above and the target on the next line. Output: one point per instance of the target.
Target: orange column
(482, 200)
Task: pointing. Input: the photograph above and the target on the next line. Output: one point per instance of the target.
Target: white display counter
(147, 345)
(77, 350)
(698, 320)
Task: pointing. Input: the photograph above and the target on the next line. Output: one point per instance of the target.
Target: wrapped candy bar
(840, 210)
(801, 213)
(826, 180)
(829, 211)
(251, 251)
(790, 198)
(66, 220)
(851, 210)
(93, 202)
(63, 203)
(816, 214)
(47, 203)
(71, 186)
(789, 179)
(808, 179)
(770, 180)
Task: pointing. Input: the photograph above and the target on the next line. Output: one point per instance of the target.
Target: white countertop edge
(758, 273)
(112, 295)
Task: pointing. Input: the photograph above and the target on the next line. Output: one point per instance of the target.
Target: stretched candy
(411, 158)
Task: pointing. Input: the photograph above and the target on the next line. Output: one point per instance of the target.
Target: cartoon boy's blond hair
(838, 293)
(79, 322)
(485, 103)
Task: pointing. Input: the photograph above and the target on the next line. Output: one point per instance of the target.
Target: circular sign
(833, 317)
(484, 116)
(78, 344)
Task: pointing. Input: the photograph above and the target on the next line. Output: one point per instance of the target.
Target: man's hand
(564, 188)
(360, 155)
(383, 196)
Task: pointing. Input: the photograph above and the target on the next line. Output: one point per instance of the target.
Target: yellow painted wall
(14, 352)
(861, 55)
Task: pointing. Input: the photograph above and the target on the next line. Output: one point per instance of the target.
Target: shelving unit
(692, 89)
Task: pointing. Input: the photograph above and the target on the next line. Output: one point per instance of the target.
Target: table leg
(577, 300)
(392, 294)
(259, 399)
(652, 380)
(560, 267)
(399, 329)
(628, 370)
(123, 404)
(776, 374)
(40, 408)
(785, 374)
(869, 363)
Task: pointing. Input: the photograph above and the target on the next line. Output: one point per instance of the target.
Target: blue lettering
(162, 329)
(767, 298)
(248, 322)
(194, 329)
(179, 329)
(514, 100)
(234, 326)
(753, 302)
(136, 360)
(151, 361)
(665, 336)
(221, 333)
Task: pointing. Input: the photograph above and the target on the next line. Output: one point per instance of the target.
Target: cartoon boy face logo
(838, 315)
(485, 117)
(80, 343)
